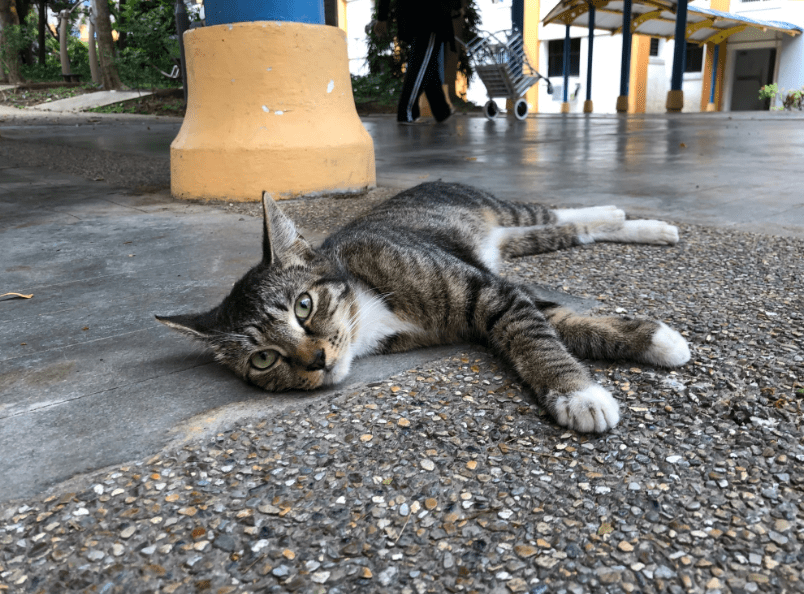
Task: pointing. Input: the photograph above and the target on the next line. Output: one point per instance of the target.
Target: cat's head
(289, 323)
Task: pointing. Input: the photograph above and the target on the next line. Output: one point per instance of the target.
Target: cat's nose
(319, 362)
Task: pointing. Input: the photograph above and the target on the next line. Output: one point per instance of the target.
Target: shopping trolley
(500, 61)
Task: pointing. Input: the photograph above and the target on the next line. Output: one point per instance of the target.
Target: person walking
(426, 25)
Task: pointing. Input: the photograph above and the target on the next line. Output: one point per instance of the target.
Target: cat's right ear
(281, 243)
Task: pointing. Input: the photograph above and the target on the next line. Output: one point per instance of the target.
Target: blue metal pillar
(680, 50)
(675, 96)
(566, 63)
(625, 65)
(714, 74)
(518, 15)
(221, 12)
(587, 107)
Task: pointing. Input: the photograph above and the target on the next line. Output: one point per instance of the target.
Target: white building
(748, 59)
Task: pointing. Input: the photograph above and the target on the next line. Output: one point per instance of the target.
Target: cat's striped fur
(421, 269)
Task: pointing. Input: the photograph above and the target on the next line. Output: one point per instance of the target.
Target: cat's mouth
(337, 372)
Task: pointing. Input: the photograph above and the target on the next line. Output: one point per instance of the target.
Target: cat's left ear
(281, 243)
(193, 325)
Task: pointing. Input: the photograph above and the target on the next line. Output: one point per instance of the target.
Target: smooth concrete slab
(90, 100)
(89, 379)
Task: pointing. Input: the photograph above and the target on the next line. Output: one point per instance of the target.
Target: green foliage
(12, 42)
(790, 100)
(382, 88)
(151, 42)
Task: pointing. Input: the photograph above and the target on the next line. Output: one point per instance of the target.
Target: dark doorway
(752, 70)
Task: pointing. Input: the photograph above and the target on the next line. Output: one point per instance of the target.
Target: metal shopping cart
(500, 62)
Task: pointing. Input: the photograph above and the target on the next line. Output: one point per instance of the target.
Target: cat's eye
(264, 359)
(303, 307)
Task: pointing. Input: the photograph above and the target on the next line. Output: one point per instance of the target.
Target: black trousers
(423, 76)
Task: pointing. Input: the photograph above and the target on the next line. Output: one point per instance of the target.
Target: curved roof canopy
(657, 18)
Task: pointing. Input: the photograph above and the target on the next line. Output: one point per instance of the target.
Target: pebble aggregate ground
(448, 478)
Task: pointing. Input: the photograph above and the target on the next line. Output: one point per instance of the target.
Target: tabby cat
(421, 269)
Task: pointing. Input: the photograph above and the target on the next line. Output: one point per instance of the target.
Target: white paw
(640, 231)
(668, 348)
(587, 410)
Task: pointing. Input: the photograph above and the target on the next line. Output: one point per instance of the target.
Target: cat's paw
(667, 349)
(640, 231)
(587, 410)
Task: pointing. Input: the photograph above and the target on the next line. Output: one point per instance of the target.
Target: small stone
(128, 532)
(713, 584)
(664, 572)
(288, 554)
(366, 437)
(427, 464)
(320, 577)
(224, 542)
(281, 571)
(95, 555)
(505, 514)
(201, 545)
(471, 465)
(525, 550)
(517, 585)
(118, 549)
(625, 546)
(404, 510)
(365, 573)
(188, 511)
(673, 459)
(430, 503)
(781, 525)
(449, 560)
(403, 422)
(268, 509)
(387, 576)
(779, 539)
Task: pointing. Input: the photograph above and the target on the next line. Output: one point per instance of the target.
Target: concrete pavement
(88, 379)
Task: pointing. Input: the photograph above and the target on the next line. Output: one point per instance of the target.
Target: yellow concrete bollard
(270, 108)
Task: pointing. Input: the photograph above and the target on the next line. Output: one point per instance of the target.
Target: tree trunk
(9, 56)
(42, 53)
(110, 78)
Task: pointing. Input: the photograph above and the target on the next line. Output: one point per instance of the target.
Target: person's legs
(422, 53)
(434, 85)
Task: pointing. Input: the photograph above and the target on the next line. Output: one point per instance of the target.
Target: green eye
(264, 359)
(303, 307)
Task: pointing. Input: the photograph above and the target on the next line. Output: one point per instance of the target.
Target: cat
(420, 269)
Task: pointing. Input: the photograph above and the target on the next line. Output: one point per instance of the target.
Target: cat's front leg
(516, 328)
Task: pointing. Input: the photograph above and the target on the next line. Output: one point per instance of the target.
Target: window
(555, 57)
(654, 46)
(695, 54)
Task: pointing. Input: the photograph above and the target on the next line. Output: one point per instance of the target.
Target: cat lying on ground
(421, 269)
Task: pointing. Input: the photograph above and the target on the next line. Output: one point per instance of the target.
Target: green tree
(10, 42)
(151, 46)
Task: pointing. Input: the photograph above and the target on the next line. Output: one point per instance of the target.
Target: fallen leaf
(20, 295)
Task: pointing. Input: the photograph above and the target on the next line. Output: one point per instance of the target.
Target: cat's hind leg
(613, 338)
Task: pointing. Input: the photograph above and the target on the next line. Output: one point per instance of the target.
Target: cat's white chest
(375, 322)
